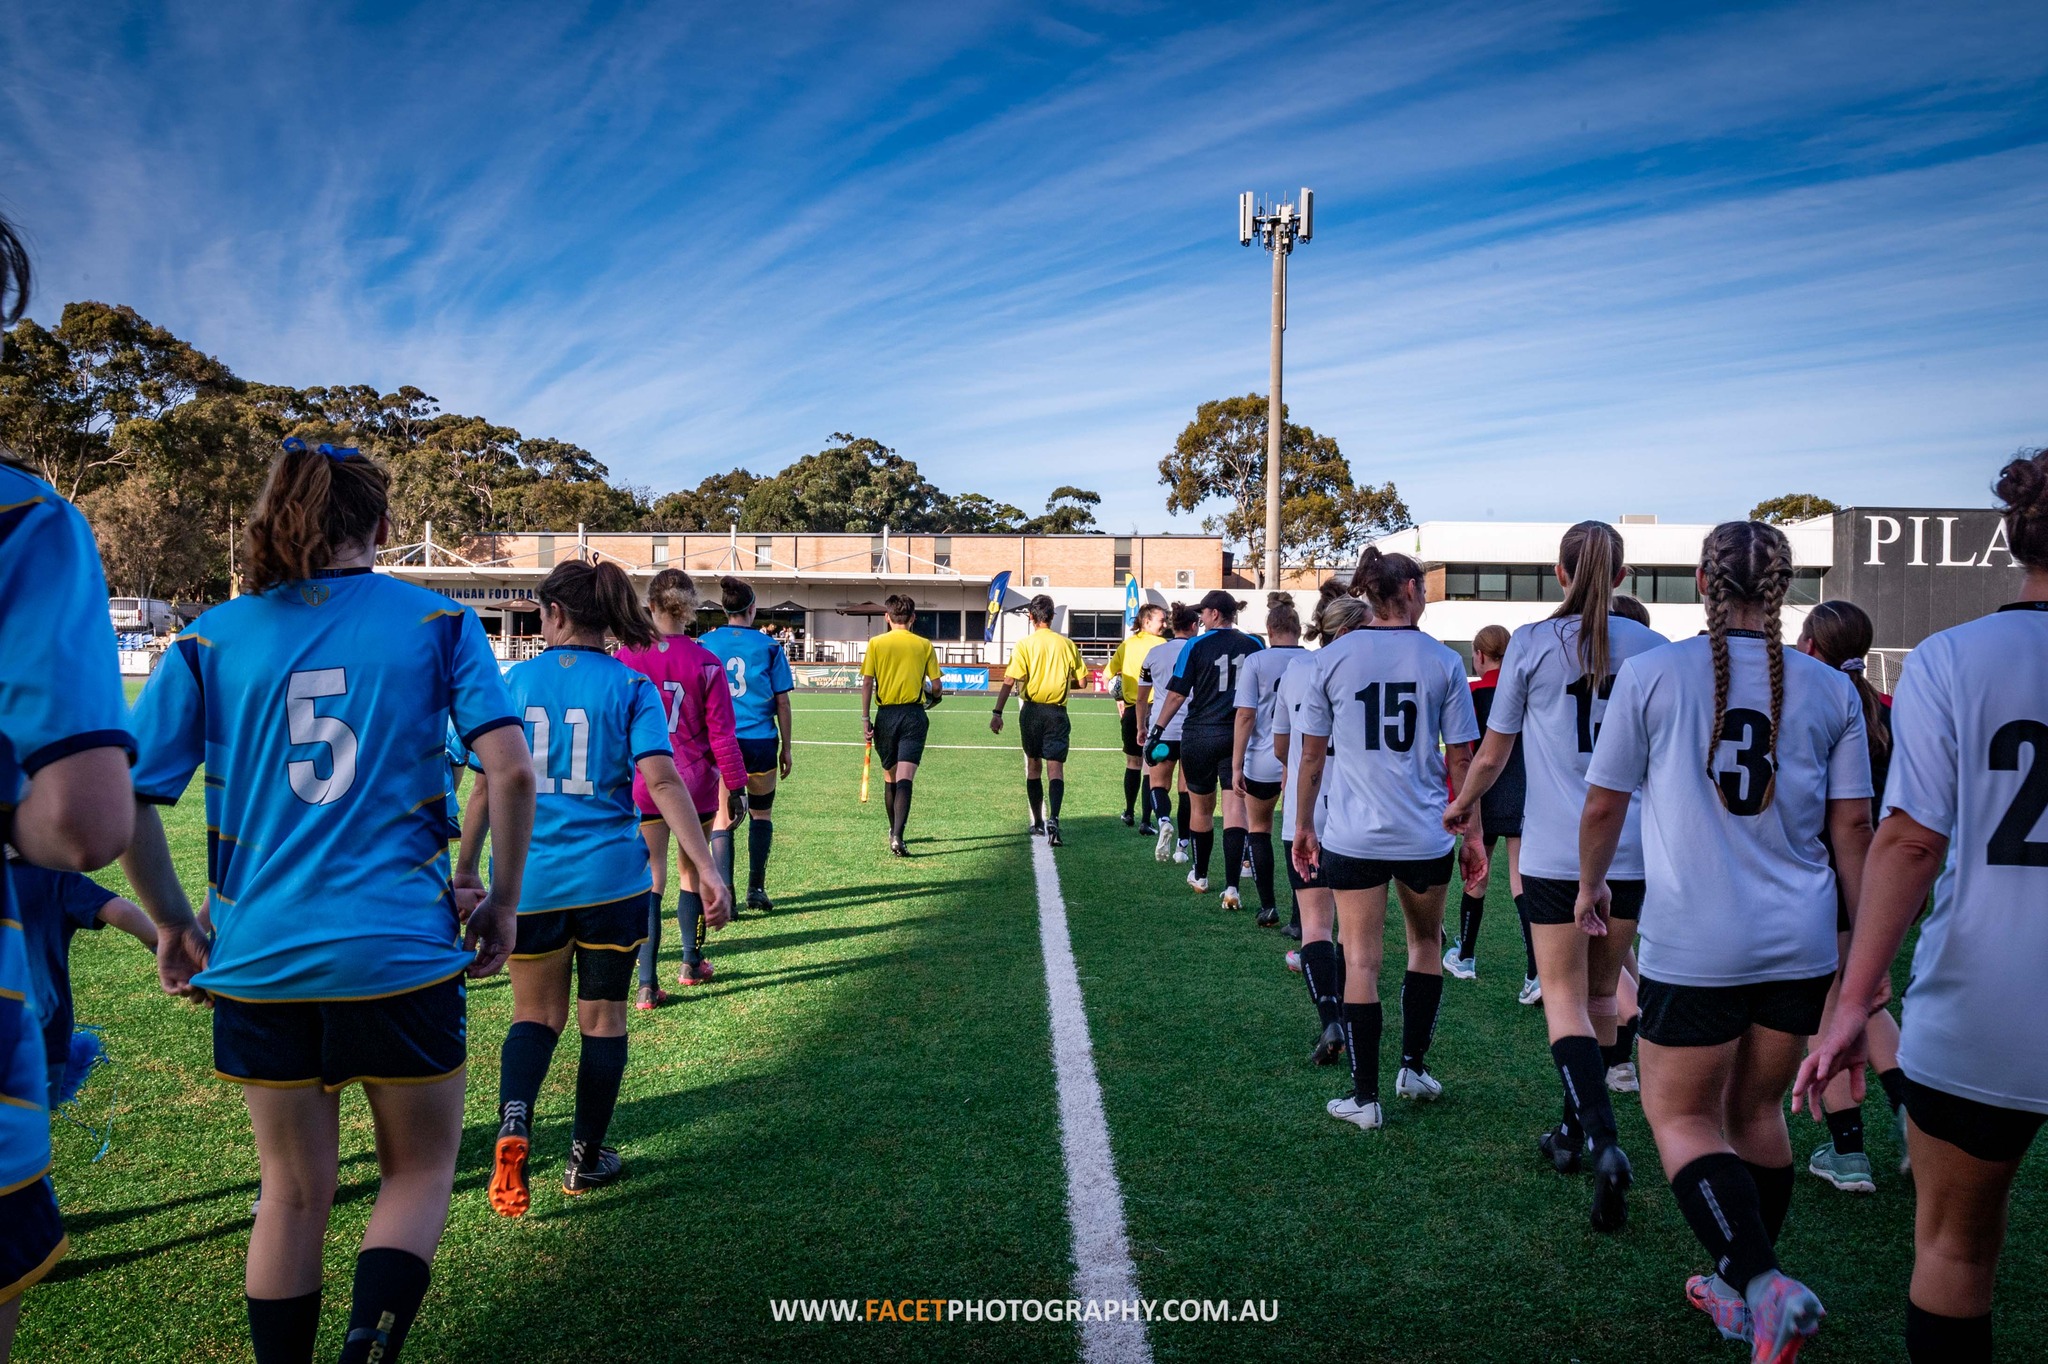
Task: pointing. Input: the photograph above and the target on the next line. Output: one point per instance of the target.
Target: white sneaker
(1455, 965)
(1231, 899)
(1294, 961)
(1198, 884)
(1180, 851)
(1532, 991)
(1420, 1086)
(1347, 1109)
(1162, 846)
(1621, 1078)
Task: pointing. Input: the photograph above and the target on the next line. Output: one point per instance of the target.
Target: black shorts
(606, 937)
(900, 733)
(1046, 731)
(1974, 1127)
(1369, 873)
(1262, 790)
(1492, 827)
(1172, 747)
(1128, 723)
(1709, 1015)
(1295, 880)
(32, 1237)
(411, 1038)
(761, 755)
(1546, 901)
(1205, 758)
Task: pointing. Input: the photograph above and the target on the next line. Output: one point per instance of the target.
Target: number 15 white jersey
(1970, 729)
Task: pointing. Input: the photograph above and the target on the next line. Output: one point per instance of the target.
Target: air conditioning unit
(1183, 577)
(1039, 580)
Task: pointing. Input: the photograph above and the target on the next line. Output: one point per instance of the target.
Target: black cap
(1216, 599)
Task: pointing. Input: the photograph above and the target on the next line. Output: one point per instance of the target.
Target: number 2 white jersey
(1258, 690)
(1970, 761)
(1742, 894)
(1385, 698)
(1155, 672)
(1544, 696)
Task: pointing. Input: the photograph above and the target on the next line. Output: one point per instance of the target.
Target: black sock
(1471, 909)
(760, 838)
(1342, 969)
(389, 1285)
(1624, 1047)
(1160, 804)
(1233, 856)
(1719, 1199)
(1894, 1082)
(1845, 1128)
(1528, 942)
(1055, 791)
(1132, 779)
(889, 805)
(1773, 1195)
(1584, 1075)
(283, 1330)
(650, 951)
(1421, 995)
(1180, 816)
(1319, 968)
(523, 1063)
(1362, 1026)
(598, 1072)
(1935, 1339)
(690, 918)
(1034, 791)
(899, 817)
(1262, 866)
(1205, 843)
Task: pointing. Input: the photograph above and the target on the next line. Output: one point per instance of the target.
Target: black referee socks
(1233, 856)
(1934, 1339)
(389, 1286)
(284, 1330)
(899, 810)
(1719, 1199)
(1421, 996)
(1584, 1074)
(1055, 792)
(1034, 791)
(1362, 1026)
(1133, 778)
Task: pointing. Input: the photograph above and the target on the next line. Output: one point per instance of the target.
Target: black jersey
(1206, 674)
(1501, 806)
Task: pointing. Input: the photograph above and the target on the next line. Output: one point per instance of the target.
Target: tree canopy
(1324, 515)
(1792, 507)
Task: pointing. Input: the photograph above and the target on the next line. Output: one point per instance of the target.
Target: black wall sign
(1917, 571)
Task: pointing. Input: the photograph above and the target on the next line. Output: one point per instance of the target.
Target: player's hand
(1458, 819)
(1844, 1046)
(181, 953)
(1308, 854)
(788, 760)
(469, 893)
(1591, 910)
(492, 929)
(717, 897)
(1477, 867)
(995, 723)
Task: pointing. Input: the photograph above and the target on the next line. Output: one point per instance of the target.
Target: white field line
(1103, 1271)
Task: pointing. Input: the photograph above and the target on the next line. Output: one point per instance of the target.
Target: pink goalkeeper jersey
(700, 726)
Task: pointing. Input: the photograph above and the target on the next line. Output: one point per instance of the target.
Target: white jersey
(1258, 689)
(1544, 696)
(1742, 894)
(1290, 696)
(1970, 762)
(1155, 672)
(1385, 698)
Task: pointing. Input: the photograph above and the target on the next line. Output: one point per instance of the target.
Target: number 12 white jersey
(1970, 762)
(1736, 895)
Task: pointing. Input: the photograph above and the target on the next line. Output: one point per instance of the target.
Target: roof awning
(866, 608)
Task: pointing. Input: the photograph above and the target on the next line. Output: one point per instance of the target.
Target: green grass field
(863, 1106)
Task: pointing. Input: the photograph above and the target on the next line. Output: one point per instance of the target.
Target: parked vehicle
(145, 615)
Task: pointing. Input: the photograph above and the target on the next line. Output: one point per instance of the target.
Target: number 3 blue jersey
(60, 694)
(320, 709)
(756, 672)
(589, 719)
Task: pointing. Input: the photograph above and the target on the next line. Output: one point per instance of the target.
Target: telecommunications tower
(1277, 227)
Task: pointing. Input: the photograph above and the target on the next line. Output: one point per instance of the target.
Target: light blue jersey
(459, 757)
(321, 710)
(756, 672)
(60, 694)
(590, 719)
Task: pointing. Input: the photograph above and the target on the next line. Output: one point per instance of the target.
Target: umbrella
(788, 606)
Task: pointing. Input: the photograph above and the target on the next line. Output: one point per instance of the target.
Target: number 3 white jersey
(1970, 761)
(1742, 894)
(1385, 698)
(1545, 696)
(1258, 689)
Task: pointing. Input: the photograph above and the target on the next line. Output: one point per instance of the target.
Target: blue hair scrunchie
(337, 453)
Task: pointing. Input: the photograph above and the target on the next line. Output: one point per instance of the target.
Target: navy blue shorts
(762, 755)
(411, 1038)
(32, 1236)
(606, 937)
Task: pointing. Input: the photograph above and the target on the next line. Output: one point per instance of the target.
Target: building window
(941, 626)
(1122, 566)
(942, 551)
(1095, 625)
(547, 551)
(878, 555)
(1805, 589)
(660, 549)
(764, 552)
(1501, 582)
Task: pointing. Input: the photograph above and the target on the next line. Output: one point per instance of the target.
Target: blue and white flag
(997, 590)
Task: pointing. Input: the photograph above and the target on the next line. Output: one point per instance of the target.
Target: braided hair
(1746, 562)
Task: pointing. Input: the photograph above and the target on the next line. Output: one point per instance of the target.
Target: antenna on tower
(1278, 227)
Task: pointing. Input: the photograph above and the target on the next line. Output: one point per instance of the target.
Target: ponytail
(1380, 578)
(1747, 562)
(1841, 633)
(735, 595)
(1590, 555)
(1281, 616)
(600, 596)
(1336, 615)
(314, 502)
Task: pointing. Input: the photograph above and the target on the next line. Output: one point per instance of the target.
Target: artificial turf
(861, 1106)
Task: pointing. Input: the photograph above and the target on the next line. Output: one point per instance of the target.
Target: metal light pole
(1277, 227)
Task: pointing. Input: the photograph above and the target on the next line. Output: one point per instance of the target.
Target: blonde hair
(1492, 640)
(1590, 556)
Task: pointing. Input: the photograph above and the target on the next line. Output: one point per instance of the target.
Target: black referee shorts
(1046, 731)
(900, 733)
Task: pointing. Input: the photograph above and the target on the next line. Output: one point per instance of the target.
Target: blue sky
(1570, 259)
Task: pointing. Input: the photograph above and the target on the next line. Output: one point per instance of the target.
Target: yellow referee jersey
(899, 662)
(1128, 658)
(1046, 666)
